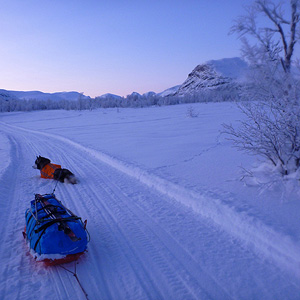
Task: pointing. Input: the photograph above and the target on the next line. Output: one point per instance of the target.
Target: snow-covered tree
(274, 31)
(271, 127)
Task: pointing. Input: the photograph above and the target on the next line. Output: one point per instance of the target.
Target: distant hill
(109, 96)
(37, 95)
(5, 95)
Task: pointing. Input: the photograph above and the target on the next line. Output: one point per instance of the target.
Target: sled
(55, 235)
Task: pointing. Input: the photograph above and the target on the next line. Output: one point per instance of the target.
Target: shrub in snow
(266, 177)
(272, 99)
(272, 124)
(191, 112)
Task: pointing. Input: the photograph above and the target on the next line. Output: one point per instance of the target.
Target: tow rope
(57, 181)
(76, 277)
(75, 263)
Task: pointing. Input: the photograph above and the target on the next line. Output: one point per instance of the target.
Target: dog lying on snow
(53, 171)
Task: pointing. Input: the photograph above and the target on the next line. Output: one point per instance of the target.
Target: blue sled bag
(55, 235)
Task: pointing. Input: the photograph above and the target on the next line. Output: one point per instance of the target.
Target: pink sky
(118, 47)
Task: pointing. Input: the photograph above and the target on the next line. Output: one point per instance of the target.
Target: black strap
(48, 224)
(38, 240)
(48, 205)
(53, 221)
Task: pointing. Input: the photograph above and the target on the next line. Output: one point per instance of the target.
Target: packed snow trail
(144, 245)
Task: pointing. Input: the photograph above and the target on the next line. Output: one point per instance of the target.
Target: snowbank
(4, 153)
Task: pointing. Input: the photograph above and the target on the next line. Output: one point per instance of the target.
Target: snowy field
(168, 215)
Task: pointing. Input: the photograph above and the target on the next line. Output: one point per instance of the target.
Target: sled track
(138, 230)
(120, 211)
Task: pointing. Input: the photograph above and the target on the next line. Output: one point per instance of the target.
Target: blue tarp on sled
(53, 229)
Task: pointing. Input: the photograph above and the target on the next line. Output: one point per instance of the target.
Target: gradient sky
(111, 46)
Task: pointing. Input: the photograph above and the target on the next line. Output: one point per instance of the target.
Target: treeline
(133, 100)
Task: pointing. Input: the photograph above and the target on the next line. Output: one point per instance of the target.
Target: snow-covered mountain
(135, 94)
(109, 96)
(202, 77)
(37, 95)
(6, 95)
(214, 74)
(149, 94)
(226, 73)
(169, 92)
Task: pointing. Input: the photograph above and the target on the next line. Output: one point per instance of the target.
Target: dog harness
(48, 171)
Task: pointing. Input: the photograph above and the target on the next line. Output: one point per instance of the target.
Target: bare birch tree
(272, 108)
(276, 38)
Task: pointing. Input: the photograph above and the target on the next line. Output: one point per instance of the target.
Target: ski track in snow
(144, 243)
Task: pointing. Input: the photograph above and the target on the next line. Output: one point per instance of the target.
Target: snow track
(144, 243)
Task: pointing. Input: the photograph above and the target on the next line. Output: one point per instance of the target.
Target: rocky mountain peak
(204, 76)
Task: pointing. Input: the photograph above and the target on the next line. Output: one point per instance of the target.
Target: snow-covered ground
(167, 213)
